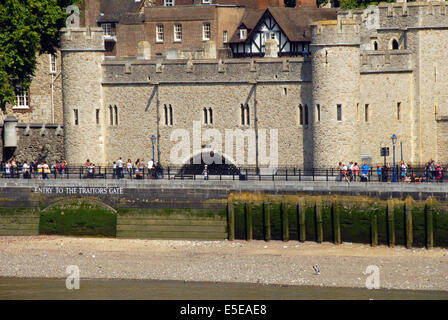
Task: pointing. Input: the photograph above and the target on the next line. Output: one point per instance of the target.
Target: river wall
(390, 214)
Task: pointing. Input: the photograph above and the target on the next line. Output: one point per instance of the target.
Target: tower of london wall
(82, 55)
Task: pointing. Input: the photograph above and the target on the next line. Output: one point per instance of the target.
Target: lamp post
(394, 141)
(153, 139)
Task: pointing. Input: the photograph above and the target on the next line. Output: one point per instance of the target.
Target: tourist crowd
(432, 172)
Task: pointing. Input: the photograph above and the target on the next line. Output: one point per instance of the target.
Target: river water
(50, 289)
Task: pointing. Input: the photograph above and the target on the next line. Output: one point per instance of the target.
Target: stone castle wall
(343, 69)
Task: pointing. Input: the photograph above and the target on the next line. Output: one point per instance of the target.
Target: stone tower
(335, 90)
(82, 54)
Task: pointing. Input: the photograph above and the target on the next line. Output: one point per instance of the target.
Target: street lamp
(394, 141)
(153, 139)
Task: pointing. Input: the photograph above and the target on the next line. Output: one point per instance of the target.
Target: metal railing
(196, 172)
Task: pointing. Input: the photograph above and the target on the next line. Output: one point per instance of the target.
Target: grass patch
(84, 219)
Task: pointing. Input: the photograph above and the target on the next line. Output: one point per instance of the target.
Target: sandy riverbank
(275, 262)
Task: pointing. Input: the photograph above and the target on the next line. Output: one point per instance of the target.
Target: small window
(168, 110)
(206, 1)
(225, 36)
(116, 115)
(306, 115)
(171, 115)
(111, 115)
(210, 115)
(243, 34)
(300, 115)
(75, 117)
(159, 33)
(177, 32)
(395, 45)
(317, 112)
(366, 113)
(206, 31)
(339, 112)
(97, 116)
(22, 99)
(168, 3)
(375, 45)
(398, 110)
(245, 115)
(52, 63)
(435, 112)
(205, 116)
(357, 112)
(285, 91)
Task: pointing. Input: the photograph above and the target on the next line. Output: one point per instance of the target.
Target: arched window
(111, 115)
(171, 115)
(210, 113)
(205, 115)
(247, 115)
(165, 109)
(306, 115)
(394, 44)
(375, 45)
(242, 115)
(116, 115)
(300, 115)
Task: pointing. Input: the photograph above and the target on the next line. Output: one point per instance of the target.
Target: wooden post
(336, 222)
(429, 224)
(319, 222)
(267, 220)
(249, 230)
(408, 211)
(285, 224)
(374, 228)
(390, 223)
(302, 220)
(231, 219)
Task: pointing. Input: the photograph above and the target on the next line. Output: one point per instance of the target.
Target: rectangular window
(107, 29)
(243, 34)
(75, 117)
(339, 112)
(398, 110)
(366, 113)
(168, 3)
(177, 32)
(206, 31)
(206, 1)
(22, 99)
(159, 33)
(97, 116)
(225, 36)
(52, 63)
(318, 113)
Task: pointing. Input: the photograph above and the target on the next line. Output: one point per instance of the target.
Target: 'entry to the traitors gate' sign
(79, 190)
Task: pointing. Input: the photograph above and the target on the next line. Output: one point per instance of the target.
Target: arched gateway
(222, 164)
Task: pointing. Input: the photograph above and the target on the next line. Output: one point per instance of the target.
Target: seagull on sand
(316, 271)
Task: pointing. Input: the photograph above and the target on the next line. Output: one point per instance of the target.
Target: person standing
(129, 167)
(120, 168)
(355, 171)
(151, 169)
(378, 172)
(365, 172)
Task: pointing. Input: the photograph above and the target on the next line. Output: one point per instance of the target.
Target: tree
(27, 27)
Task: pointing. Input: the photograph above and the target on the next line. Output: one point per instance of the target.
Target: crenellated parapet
(86, 39)
(335, 33)
(207, 71)
(413, 14)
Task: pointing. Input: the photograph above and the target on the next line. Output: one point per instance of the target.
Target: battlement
(413, 14)
(136, 71)
(335, 32)
(86, 39)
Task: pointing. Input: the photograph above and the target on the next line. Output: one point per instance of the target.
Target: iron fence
(196, 172)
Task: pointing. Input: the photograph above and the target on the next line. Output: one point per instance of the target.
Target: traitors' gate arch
(224, 167)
